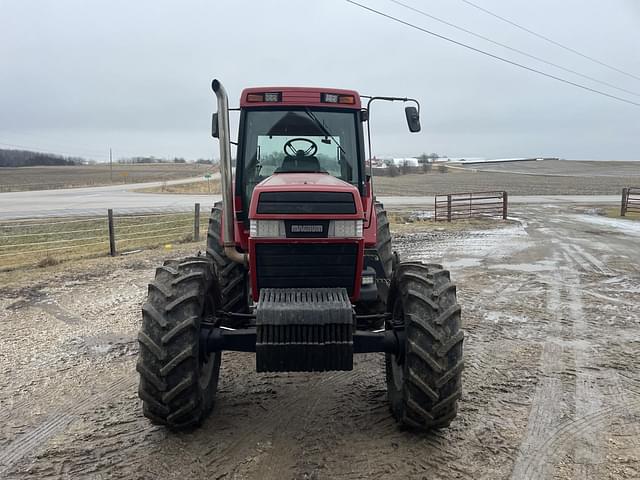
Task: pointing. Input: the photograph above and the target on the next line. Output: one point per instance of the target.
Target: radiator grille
(306, 265)
(306, 202)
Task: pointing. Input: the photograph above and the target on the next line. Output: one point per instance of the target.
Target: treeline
(24, 158)
(152, 159)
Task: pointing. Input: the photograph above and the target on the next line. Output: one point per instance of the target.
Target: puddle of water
(620, 225)
(472, 245)
(501, 317)
(464, 262)
(542, 266)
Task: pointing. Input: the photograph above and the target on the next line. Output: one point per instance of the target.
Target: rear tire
(232, 276)
(424, 385)
(383, 240)
(386, 257)
(177, 381)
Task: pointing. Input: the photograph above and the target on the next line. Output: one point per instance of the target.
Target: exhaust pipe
(229, 243)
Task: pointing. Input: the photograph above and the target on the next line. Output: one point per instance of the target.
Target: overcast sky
(77, 76)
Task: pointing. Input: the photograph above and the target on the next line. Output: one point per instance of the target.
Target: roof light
(264, 97)
(330, 98)
(336, 98)
(272, 97)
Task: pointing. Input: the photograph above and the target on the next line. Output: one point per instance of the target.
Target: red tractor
(299, 269)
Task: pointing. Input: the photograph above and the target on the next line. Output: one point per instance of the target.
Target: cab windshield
(299, 140)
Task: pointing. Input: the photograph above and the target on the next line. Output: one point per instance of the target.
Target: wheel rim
(397, 362)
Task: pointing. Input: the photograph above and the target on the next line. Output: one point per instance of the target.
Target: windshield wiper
(324, 130)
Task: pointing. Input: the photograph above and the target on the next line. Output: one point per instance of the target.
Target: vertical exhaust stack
(224, 136)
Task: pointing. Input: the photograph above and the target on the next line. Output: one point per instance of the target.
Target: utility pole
(110, 165)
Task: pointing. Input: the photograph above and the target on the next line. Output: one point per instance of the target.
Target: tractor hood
(317, 194)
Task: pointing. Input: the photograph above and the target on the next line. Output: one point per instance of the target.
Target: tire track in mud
(58, 421)
(589, 448)
(586, 261)
(554, 447)
(226, 461)
(582, 437)
(546, 408)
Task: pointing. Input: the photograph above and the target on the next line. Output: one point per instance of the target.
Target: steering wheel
(291, 151)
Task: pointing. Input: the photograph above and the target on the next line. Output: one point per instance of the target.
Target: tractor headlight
(278, 229)
(346, 228)
(368, 280)
(266, 228)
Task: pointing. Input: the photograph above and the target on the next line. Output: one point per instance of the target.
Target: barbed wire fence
(46, 241)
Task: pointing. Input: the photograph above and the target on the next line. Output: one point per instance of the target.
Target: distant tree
(25, 158)
(393, 170)
(404, 167)
(179, 160)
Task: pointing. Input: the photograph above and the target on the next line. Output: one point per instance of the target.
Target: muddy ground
(551, 386)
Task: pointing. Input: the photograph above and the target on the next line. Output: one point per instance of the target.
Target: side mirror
(413, 119)
(214, 125)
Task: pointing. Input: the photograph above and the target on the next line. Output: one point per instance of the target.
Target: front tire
(424, 384)
(177, 381)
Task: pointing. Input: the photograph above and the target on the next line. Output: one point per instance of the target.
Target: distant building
(401, 162)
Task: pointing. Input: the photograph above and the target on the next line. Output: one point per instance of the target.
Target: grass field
(46, 178)
(50, 241)
(204, 187)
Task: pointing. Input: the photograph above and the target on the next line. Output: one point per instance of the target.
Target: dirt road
(551, 385)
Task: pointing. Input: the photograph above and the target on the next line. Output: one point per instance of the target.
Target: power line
(521, 52)
(550, 40)
(502, 59)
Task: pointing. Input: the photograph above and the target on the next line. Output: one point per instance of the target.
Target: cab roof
(300, 96)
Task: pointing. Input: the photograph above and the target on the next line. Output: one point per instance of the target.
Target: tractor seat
(299, 164)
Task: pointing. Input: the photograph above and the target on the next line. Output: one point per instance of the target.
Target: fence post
(435, 208)
(448, 208)
(112, 234)
(505, 201)
(196, 224)
(623, 207)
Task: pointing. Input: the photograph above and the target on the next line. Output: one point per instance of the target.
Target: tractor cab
(304, 214)
(298, 130)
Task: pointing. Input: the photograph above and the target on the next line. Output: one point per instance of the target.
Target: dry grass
(203, 187)
(48, 262)
(47, 178)
(614, 212)
(44, 242)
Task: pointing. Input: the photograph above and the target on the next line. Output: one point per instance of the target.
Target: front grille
(306, 202)
(306, 265)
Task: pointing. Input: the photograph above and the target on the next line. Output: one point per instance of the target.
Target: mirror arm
(368, 108)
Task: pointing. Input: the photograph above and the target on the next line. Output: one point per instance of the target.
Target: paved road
(95, 200)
